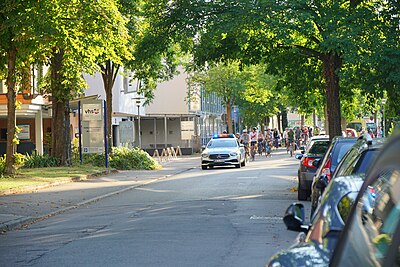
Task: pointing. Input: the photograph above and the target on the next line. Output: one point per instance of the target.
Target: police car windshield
(222, 143)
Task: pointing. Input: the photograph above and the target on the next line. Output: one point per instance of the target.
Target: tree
(15, 50)
(75, 36)
(223, 79)
(120, 46)
(331, 34)
(260, 98)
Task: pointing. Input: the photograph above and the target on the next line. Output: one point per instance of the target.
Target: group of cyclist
(256, 142)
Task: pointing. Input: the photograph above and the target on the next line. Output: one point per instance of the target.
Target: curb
(23, 222)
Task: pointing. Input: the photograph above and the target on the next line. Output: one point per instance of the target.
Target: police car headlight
(233, 154)
(204, 155)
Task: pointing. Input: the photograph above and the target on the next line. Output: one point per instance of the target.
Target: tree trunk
(61, 139)
(332, 64)
(284, 118)
(11, 115)
(302, 120)
(109, 74)
(229, 117)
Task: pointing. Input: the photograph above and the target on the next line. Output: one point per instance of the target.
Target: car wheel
(302, 194)
(238, 165)
(204, 167)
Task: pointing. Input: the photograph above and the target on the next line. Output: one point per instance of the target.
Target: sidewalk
(18, 210)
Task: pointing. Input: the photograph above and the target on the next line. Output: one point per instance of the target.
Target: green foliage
(123, 158)
(40, 161)
(2, 166)
(19, 161)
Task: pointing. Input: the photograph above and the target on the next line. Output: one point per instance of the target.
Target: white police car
(221, 150)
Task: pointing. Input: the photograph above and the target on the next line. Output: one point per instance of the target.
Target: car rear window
(319, 147)
(338, 153)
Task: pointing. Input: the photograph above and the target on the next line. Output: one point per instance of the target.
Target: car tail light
(327, 169)
(308, 162)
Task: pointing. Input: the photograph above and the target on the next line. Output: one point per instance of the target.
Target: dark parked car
(315, 150)
(371, 236)
(316, 248)
(337, 149)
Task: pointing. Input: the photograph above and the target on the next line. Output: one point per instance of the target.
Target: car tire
(204, 167)
(238, 165)
(302, 194)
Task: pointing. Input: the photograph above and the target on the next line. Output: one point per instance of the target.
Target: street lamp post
(138, 101)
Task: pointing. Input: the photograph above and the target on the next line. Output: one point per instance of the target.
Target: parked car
(356, 161)
(371, 236)
(222, 150)
(327, 241)
(327, 165)
(316, 243)
(316, 148)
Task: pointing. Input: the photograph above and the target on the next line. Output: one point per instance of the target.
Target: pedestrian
(276, 138)
(379, 132)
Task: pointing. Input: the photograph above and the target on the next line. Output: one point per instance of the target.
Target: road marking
(267, 218)
(247, 177)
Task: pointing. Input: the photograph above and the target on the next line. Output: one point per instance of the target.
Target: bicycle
(260, 147)
(246, 152)
(268, 149)
(291, 147)
(253, 149)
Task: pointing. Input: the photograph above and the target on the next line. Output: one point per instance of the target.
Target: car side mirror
(302, 151)
(322, 182)
(316, 163)
(203, 147)
(298, 156)
(294, 218)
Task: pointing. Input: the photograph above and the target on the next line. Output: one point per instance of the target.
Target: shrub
(19, 160)
(40, 161)
(124, 158)
(2, 165)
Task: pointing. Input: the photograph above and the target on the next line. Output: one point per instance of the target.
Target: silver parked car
(222, 150)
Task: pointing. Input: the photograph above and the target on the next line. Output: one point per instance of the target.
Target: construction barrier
(167, 154)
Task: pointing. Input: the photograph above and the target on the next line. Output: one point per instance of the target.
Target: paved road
(182, 217)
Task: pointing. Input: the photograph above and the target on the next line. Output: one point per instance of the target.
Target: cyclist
(291, 137)
(245, 140)
(268, 143)
(253, 142)
(260, 142)
(285, 139)
(297, 136)
(276, 135)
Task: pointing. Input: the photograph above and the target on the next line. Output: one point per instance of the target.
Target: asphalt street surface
(178, 216)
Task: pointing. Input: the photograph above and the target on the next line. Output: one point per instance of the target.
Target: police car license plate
(219, 160)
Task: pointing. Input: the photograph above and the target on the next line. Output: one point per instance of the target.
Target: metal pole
(105, 135)
(139, 135)
(80, 132)
(155, 133)
(384, 123)
(165, 131)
